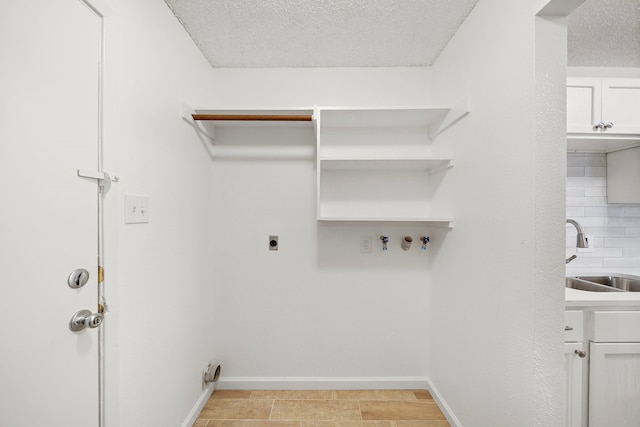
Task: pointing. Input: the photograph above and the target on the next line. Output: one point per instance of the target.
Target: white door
(614, 385)
(49, 62)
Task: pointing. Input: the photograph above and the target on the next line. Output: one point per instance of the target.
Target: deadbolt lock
(78, 278)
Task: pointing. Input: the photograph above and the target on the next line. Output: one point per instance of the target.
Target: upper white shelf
(387, 117)
(446, 222)
(254, 117)
(431, 164)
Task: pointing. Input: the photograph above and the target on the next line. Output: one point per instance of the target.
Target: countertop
(578, 298)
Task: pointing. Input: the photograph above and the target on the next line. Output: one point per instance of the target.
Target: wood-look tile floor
(321, 408)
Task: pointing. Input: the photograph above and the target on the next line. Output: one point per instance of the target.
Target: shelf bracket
(445, 166)
(208, 130)
(456, 114)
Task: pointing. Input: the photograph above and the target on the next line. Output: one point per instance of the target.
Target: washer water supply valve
(425, 240)
(385, 240)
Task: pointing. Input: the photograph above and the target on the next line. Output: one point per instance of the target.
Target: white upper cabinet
(621, 105)
(602, 114)
(584, 105)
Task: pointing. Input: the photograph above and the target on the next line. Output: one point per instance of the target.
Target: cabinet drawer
(615, 326)
(573, 330)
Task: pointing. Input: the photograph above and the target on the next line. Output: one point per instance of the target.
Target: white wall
(159, 277)
(496, 297)
(317, 307)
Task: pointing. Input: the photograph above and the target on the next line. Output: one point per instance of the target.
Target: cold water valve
(385, 240)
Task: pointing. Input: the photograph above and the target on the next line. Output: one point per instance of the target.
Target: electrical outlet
(136, 209)
(273, 243)
(365, 244)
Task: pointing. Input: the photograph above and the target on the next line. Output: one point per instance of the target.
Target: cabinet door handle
(599, 126)
(568, 328)
(581, 354)
(609, 125)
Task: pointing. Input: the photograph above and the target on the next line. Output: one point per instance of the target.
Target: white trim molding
(321, 383)
(197, 408)
(442, 404)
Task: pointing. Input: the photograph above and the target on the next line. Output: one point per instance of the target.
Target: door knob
(581, 354)
(78, 278)
(85, 319)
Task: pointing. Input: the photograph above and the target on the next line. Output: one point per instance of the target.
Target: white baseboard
(321, 383)
(197, 408)
(442, 404)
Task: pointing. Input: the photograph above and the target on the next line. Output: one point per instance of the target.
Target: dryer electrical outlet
(273, 243)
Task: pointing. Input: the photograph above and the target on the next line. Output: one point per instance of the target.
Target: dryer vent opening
(211, 373)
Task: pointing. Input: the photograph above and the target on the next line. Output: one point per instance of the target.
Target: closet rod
(254, 117)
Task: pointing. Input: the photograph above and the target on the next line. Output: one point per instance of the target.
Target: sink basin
(625, 283)
(583, 285)
(604, 283)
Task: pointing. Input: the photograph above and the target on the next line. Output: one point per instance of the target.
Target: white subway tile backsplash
(598, 171)
(622, 242)
(605, 231)
(605, 253)
(577, 191)
(595, 191)
(590, 221)
(582, 261)
(631, 252)
(575, 171)
(607, 211)
(586, 181)
(632, 211)
(624, 221)
(614, 230)
(621, 262)
(586, 201)
(575, 211)
(584, 161)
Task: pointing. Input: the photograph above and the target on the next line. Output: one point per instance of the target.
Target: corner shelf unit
(373, 164)
(376, 164)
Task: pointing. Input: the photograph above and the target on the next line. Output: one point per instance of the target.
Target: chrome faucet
(581, 240)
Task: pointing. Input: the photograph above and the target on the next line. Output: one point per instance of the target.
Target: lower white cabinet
(614, 384)
(602, 367)
(573, 366)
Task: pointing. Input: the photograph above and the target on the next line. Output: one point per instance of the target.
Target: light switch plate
(136, 209)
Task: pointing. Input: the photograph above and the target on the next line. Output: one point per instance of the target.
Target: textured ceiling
(379, 33)
(604, 33)
(321, 33)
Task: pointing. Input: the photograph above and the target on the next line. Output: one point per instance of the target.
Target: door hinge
(104, 180)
